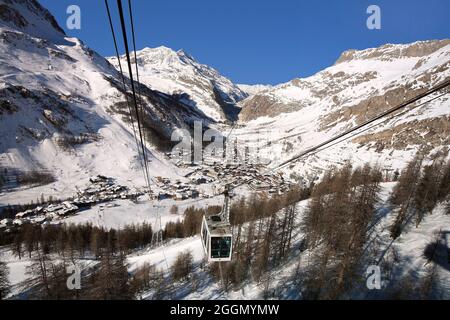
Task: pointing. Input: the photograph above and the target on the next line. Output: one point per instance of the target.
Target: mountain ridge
(41, 103)
(177, 72)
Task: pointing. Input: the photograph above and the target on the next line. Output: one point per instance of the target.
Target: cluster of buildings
(175, 190)
(103, 189)
(100, 189)
(255, 176)
(214, 176)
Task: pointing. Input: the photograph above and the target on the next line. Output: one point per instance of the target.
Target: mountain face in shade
(176, 72)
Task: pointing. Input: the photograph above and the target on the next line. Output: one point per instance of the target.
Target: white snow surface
(345, 83)
(252, 89)
(410, 247)
(170, 71)
(41, 58)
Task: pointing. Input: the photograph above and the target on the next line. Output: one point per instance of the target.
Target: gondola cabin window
(220, 247)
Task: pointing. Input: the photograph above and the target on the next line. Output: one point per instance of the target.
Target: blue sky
(261, 41)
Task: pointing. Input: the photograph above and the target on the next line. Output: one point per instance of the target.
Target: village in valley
(203, 181)
(101, 189)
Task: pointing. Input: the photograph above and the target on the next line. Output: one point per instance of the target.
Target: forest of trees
(191, 223)
(335, 224)
(76, 241)
(419, 189)
(268, 231)
(263, 231)
(106, 279)
(4, 280)
(52, 248)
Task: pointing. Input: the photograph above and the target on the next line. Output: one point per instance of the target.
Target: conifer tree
(4, 280)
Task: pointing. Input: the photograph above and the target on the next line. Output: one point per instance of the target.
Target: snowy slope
(409, 247)
(200, 86)
(356, 76)
(30, 17)
(41, 104)
(304, 112)
(252, 89)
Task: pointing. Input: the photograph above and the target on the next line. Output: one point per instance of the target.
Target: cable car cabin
(216, 238)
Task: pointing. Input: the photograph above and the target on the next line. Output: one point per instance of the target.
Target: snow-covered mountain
(29, 17)
(196, 84)
(62, 107)
(63, 110)
(252, 89)
(76, 123)
(355, 77)
(360, 85)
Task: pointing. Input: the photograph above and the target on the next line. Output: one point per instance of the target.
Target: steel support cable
(130, 9)
(379, 123)
(300, 133)
(124, 87)
(326, 143)
(158, 215)
(383, 114)
(127, 52)
(133, 89)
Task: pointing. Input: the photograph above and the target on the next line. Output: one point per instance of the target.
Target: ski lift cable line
(130, 9)
(124, 33)
(383, 114)
(221, 250)
(158, 215)
(124, 87)
(379, 123)
(133, 89)
(326, 144)
(127, 52)
(300, 133)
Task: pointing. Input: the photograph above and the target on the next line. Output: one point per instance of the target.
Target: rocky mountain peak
(30, 17)
(163, 56)
(355, 79)
(394, 51)
(198, 85)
